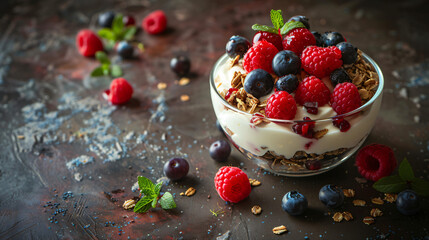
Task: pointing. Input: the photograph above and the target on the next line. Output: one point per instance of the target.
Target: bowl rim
(377, 94)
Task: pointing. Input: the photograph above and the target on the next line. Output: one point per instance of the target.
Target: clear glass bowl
(274, 146)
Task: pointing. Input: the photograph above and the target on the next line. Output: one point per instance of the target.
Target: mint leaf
(157, 188)
(143, 204)
(129, 33)
(421, 186)
(97, 72)
(106, 34)
(167, 201)
(146, 186)
(390, 184)
(155, 200)
(406, 171)
(264, 28)
(102, 57)
(289, 26)
(118, 25)
(116, 71)
(106, 69)
(276, 18)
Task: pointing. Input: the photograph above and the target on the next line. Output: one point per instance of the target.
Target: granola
(358, 202)
(349, 193)
(254, 182)
(279, 230)
(375, 212)
(377, 201)
(256, 210)
(390, 197)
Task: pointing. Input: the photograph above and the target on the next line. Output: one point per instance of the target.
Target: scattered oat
(349, 193)
(279, 230)
(235, 61)
(358, 202)
(129, 204)
(182, 194)
(184, 81)
(390, 197)
(254, 182)
(20, 136)
(347, 216)
(368, 220)
(191, 191)
(162, 86)
(377, 201)
(256, 210)
(184, 98)
(375, 212)
(338, 217)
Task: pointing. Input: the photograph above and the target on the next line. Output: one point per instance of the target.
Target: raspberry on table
(155, 22)
(345, 98)
(281, 105)
(312, 90)
(88, 43)
(260, 55)
(232, 184)
(298, 39)
(375, 161)
(120, 91)
(319, 61)
(272, 38)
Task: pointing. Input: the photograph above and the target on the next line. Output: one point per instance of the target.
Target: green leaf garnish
(406, 171)
(106, 33)
(118, 32)
(289, 26)
(105, 69)
(97, 72)
(157, 188)
(155, 200)
(276, 18)
(115, 71)
(390, 184)
(102, 57)
(143, 204)
(129, 33)
(167, 201)
(118, 25)
(146, 186)
(264, 28)
(421, 186)
(151, 193)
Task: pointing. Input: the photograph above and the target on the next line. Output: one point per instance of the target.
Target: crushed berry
(308, 145)
(230, 91)
(305, 129)
(313, 164)
(311, 107)
(342, 124)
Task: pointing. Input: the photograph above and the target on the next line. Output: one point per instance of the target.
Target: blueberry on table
(181, 65)
(339, 76)
(237, 45)
(332, 38)
(348, 52)
(294, 203)
(408, 202)
(286, 62)
(288, 83)
(258, 83)
(331, 195)
(125, 50)
(105, 19)
(300, 18)
(176, 168)
(220, 150)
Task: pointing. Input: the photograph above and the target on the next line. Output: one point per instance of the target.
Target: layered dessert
(295, 100)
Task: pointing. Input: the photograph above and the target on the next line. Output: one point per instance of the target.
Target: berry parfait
(299, 110)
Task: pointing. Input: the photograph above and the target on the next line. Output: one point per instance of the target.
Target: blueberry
(125, 50)
(105, 19)
(286, 62)
(331, 195)
(332, 38)
(408, 202)
(180, 65)
(288, 83)
(258, 83)
(294, 203)
(176, 168)
(348, 52)
(220, 150)
(300, 18)
(319, 39)
(237, 45)
(339, 76)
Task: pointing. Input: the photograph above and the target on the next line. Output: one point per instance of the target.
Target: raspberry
(298, 39)
(88, 43)
(155, 22)
(281, 105)
(345, 98)
(120, 91)
(319, 61)
(260, 55)
(232, 184)
(272, 38)
(375, 161)
(312, 90)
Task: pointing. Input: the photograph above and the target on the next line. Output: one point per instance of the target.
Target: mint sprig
(276, 20)
(289, 26)
(402, 181)
(151, 196)
(105, 68)
(118, 32)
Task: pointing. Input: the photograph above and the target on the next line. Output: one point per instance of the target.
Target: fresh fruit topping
(273, 38)
(319, 61)
(294, 203)
(318, 37)
(125, 50)
(181, 65)
(298, 39)
(348, 52)
(276, 20)
(237, 45)
(120, 91)
(286, 62)
(260, 55)
(339, 75)
(331, 195)
(375, 161)
(342, 124)
(332, 38)
(408, 202)
(105, 19)
(129, 20)
(313, 165)
(288, 83)
(220, 150)
(155, 22)
(311, 107)
(345, 98)
(176, 168)
(88, 43)
(258, 83)
(305, 128)
(312, 90)
(281, 105)
(232, 184)
(230, 91)
(300, 18)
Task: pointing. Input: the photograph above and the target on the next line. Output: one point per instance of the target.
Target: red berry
(319, 61)
(298, 39)
(88, 43)
(129, 20)
(232, 184)
(155, 22)
(375, 161)
(345, 98)
(305, 129)
(281, 105)
(272, 38)
(230, 91)
(260, 55)
(312, 90)
(120, 91)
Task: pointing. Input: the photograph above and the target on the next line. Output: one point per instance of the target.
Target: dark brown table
(51, 112)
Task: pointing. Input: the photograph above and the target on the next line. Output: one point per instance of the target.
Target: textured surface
(56, 128)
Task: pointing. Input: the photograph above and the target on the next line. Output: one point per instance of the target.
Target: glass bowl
(274, 145)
